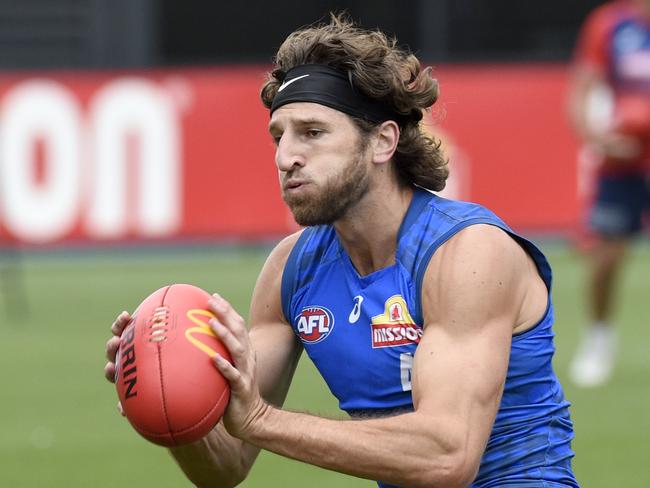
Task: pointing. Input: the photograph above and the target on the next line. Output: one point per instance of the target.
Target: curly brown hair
(381, 70)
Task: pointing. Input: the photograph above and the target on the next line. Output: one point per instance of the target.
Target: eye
(276, 138)
(313, 133)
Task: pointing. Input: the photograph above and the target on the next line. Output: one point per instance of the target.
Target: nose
(288, 154)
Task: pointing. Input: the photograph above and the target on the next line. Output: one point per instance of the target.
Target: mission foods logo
(394, 327)
(314, 324)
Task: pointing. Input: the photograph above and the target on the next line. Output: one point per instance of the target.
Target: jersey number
(405, 368)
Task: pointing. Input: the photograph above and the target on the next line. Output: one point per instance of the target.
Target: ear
(385, 141)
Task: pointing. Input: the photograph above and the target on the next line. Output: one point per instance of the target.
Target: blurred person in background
(610, 110)
(429, 319)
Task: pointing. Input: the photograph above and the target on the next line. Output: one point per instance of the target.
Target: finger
(228, 316)
(227, 370)
(109, 372)
(236, 349)
(112, 345)
(120, 323)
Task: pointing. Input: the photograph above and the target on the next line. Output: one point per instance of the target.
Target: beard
(333, 200)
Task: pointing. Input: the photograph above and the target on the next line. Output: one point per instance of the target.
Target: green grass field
(59, 426)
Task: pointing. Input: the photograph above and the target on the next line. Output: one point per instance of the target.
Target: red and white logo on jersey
(396, 313)
(314, 324)
(394, 327)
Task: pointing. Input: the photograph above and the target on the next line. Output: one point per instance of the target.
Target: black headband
(322, 84)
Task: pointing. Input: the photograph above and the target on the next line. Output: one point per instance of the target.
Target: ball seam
(162, 383)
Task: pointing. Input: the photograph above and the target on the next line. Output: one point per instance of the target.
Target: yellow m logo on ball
(200, 318)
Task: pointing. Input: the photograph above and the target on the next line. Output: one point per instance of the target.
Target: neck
(368, 232)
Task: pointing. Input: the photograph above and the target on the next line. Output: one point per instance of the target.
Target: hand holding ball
(169, 388)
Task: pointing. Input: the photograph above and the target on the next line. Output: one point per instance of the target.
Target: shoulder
(298, 252)
(478, 243)
(280, 253)
(480, 270)
(266, 301)
(480, 249)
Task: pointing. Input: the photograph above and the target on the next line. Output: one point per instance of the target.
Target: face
(322, 161)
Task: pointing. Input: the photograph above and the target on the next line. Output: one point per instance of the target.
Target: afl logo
(314, 324)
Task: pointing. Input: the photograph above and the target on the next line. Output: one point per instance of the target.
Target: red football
(169, 388)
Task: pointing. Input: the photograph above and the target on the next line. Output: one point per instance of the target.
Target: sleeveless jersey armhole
(543, 266)
(289, 274)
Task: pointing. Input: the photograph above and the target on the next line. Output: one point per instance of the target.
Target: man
(612, 69)
(428, 318)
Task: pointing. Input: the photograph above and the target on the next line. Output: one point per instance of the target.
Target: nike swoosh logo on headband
(288, 82)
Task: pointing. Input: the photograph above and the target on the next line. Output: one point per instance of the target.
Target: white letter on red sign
(40, 211)
(134, 108)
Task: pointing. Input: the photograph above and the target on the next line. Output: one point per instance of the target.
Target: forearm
(407, 450)
(217, 460)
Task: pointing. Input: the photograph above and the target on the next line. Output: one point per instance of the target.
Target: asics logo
(356, 310)
(288, 82)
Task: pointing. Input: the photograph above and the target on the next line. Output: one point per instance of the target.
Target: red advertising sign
(171, 154)
(510, 136)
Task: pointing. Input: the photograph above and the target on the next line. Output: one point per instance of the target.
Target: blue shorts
(620, 205)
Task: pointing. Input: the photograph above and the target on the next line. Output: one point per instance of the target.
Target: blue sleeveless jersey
(361, 333)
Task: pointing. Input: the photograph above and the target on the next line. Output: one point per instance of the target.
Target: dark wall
(132, 33)
(198, 31)
(448, 30)
(79, 33)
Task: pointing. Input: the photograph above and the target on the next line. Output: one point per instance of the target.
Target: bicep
(460, 378)
(276, 349)
(277, 353)
(472, 295)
